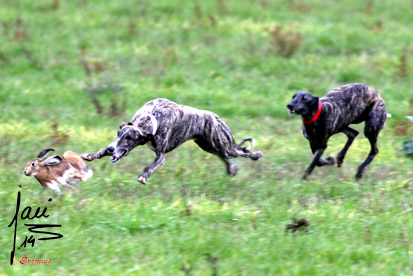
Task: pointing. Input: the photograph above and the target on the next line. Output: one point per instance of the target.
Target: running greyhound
(164, 125)
(333, 113)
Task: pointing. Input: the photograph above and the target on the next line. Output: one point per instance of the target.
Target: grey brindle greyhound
(333, 113)
(164, 125)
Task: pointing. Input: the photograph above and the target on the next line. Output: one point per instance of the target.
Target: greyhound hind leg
(374, 124)
(208, 147)
(243, 152)
(373, 152)
(232, 169)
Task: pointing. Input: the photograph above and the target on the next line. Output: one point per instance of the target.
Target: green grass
(191, 218)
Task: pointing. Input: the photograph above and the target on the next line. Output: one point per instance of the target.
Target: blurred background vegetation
(71, 71)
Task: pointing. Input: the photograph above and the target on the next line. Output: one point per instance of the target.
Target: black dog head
(302, 103)
(128, 138)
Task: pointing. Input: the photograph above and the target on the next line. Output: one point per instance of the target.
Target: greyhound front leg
(329, 160)
(159, 160)
(99, 154)
(316, 159)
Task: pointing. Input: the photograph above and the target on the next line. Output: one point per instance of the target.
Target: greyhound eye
(128, 137)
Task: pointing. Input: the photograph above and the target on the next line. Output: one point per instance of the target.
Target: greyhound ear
(315, 100)
(51, 161)
(148, 125)
(122, 125)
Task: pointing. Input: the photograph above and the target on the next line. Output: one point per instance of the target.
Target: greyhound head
(128, 138)
(302, 103)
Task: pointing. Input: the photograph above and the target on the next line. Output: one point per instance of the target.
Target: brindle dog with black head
(333, 113)
(164, 125)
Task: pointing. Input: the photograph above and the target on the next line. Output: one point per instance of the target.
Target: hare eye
(33, 164)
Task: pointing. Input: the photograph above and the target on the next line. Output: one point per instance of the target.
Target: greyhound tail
(249, 139)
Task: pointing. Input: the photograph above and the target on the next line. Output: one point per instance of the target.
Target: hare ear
(44, 152)
(51, 161)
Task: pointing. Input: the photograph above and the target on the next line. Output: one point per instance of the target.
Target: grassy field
(72, 71)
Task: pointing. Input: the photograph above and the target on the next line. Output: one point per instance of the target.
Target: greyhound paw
(360, 173)
(256, 155)
(330, 160)
(86, 156)
(339, 160)
(142, 179)
(233, 170)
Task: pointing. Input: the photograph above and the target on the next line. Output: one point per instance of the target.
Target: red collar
(317, 114)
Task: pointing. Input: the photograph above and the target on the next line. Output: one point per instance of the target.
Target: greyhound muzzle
(118, 155)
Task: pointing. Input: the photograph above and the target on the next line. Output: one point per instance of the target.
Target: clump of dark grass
(132, 28)
(299, 6)
(55, 4)
(58, 136)
(20, 31)
(213, 261)
(222, 7)
(403, 65)
(101, 83)
(284, 42)
(368, 7)
(376, 26)
(105, 85)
